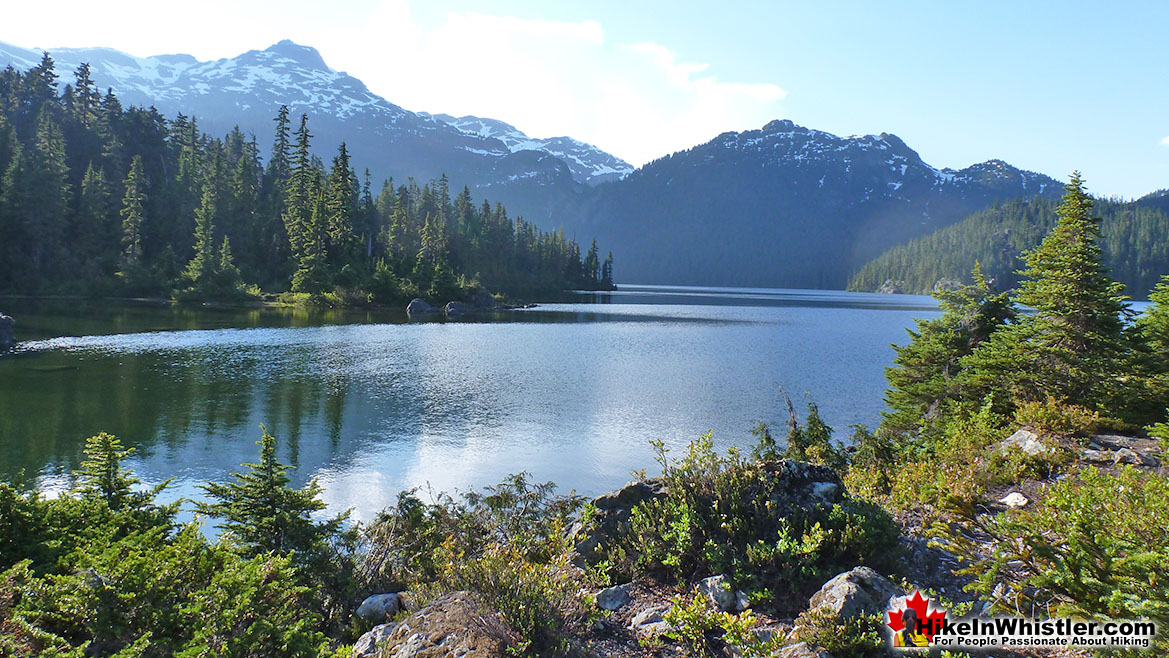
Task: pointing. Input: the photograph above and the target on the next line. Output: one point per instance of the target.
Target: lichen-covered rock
(720, 594)
(1014, 500)
(367, 644)
(379, 607)
(613, 598)
(1027, 441)
(457, 624)
(649, 623)
(856, 592)
(890, 287)
(612, 519)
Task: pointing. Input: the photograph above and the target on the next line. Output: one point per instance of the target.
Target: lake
(370, 403)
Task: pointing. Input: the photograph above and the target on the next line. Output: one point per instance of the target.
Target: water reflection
(371, 403)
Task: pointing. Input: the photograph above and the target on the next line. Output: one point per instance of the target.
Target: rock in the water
(1014, 500)
(367, 644)
(649, 623)
(7, 332)
(455, 309)
(802, 650)
(613, 598)
(419, 307)
(890, 287)
(379, 606)
(1027, 441)
(718, 591)
(456, 624)
(860, 591)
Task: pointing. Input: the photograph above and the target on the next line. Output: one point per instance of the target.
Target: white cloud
(547, 77)
(1165, 141)
(639, 101)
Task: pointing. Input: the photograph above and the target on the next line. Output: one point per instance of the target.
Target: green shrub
(725, 515)
(542, 601)
(702, 629)
(402, 546)
(843, 637)
(1098, 546)
(1052, 416)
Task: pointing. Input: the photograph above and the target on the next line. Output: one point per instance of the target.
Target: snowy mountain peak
(587, 163)
(248, 90)
(306, 56)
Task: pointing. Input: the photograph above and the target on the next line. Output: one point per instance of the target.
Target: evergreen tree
(101, 473)
(1072, 348)
(201, 270)
(263, 514)
(592, 264)
(93, 234)
(132, 217)
(926, 370)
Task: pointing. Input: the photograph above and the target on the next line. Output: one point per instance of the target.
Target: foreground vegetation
(106, 570)
(98, 199)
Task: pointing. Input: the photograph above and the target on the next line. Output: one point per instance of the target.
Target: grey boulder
(379, 607)
(852, 593)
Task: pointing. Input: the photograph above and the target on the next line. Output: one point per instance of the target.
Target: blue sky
(1047, 86)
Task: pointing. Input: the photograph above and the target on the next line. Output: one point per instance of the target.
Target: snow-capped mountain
(247, 91)
(587, 163)
(785, 206)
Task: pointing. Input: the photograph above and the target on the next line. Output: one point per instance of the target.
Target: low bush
(1057, 417)
(729, 515)
(707, 632)
(843, 637)
(1097, 547)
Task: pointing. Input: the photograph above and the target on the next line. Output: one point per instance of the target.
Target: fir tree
(1072, 348)
(132, 217)
(926, 370)
(263, 514)
(101, 473)
(200, 272)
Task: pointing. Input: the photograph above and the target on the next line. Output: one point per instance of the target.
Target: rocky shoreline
(631, 618)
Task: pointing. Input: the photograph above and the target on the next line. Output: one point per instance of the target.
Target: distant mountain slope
(784, 206)
(1135, 245)
(247, 90)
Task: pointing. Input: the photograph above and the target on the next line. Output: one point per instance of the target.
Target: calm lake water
(370, 403)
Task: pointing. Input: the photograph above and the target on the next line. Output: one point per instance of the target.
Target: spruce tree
(132, 218)
(201, 270)
(101, 473)
(262, 513)
(925, 374)
(1072, 347)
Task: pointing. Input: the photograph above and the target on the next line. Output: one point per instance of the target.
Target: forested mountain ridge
(99, 199)
(779, 206)
(784, 206)
(248, 90)
(1133, 242)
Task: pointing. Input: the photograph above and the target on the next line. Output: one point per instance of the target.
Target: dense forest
(97, 199)
(106, 569)
(1133, 242)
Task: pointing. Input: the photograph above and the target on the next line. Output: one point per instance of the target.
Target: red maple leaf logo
(930, 620)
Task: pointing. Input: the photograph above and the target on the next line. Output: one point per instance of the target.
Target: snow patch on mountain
(249, 88)
(587, 163)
